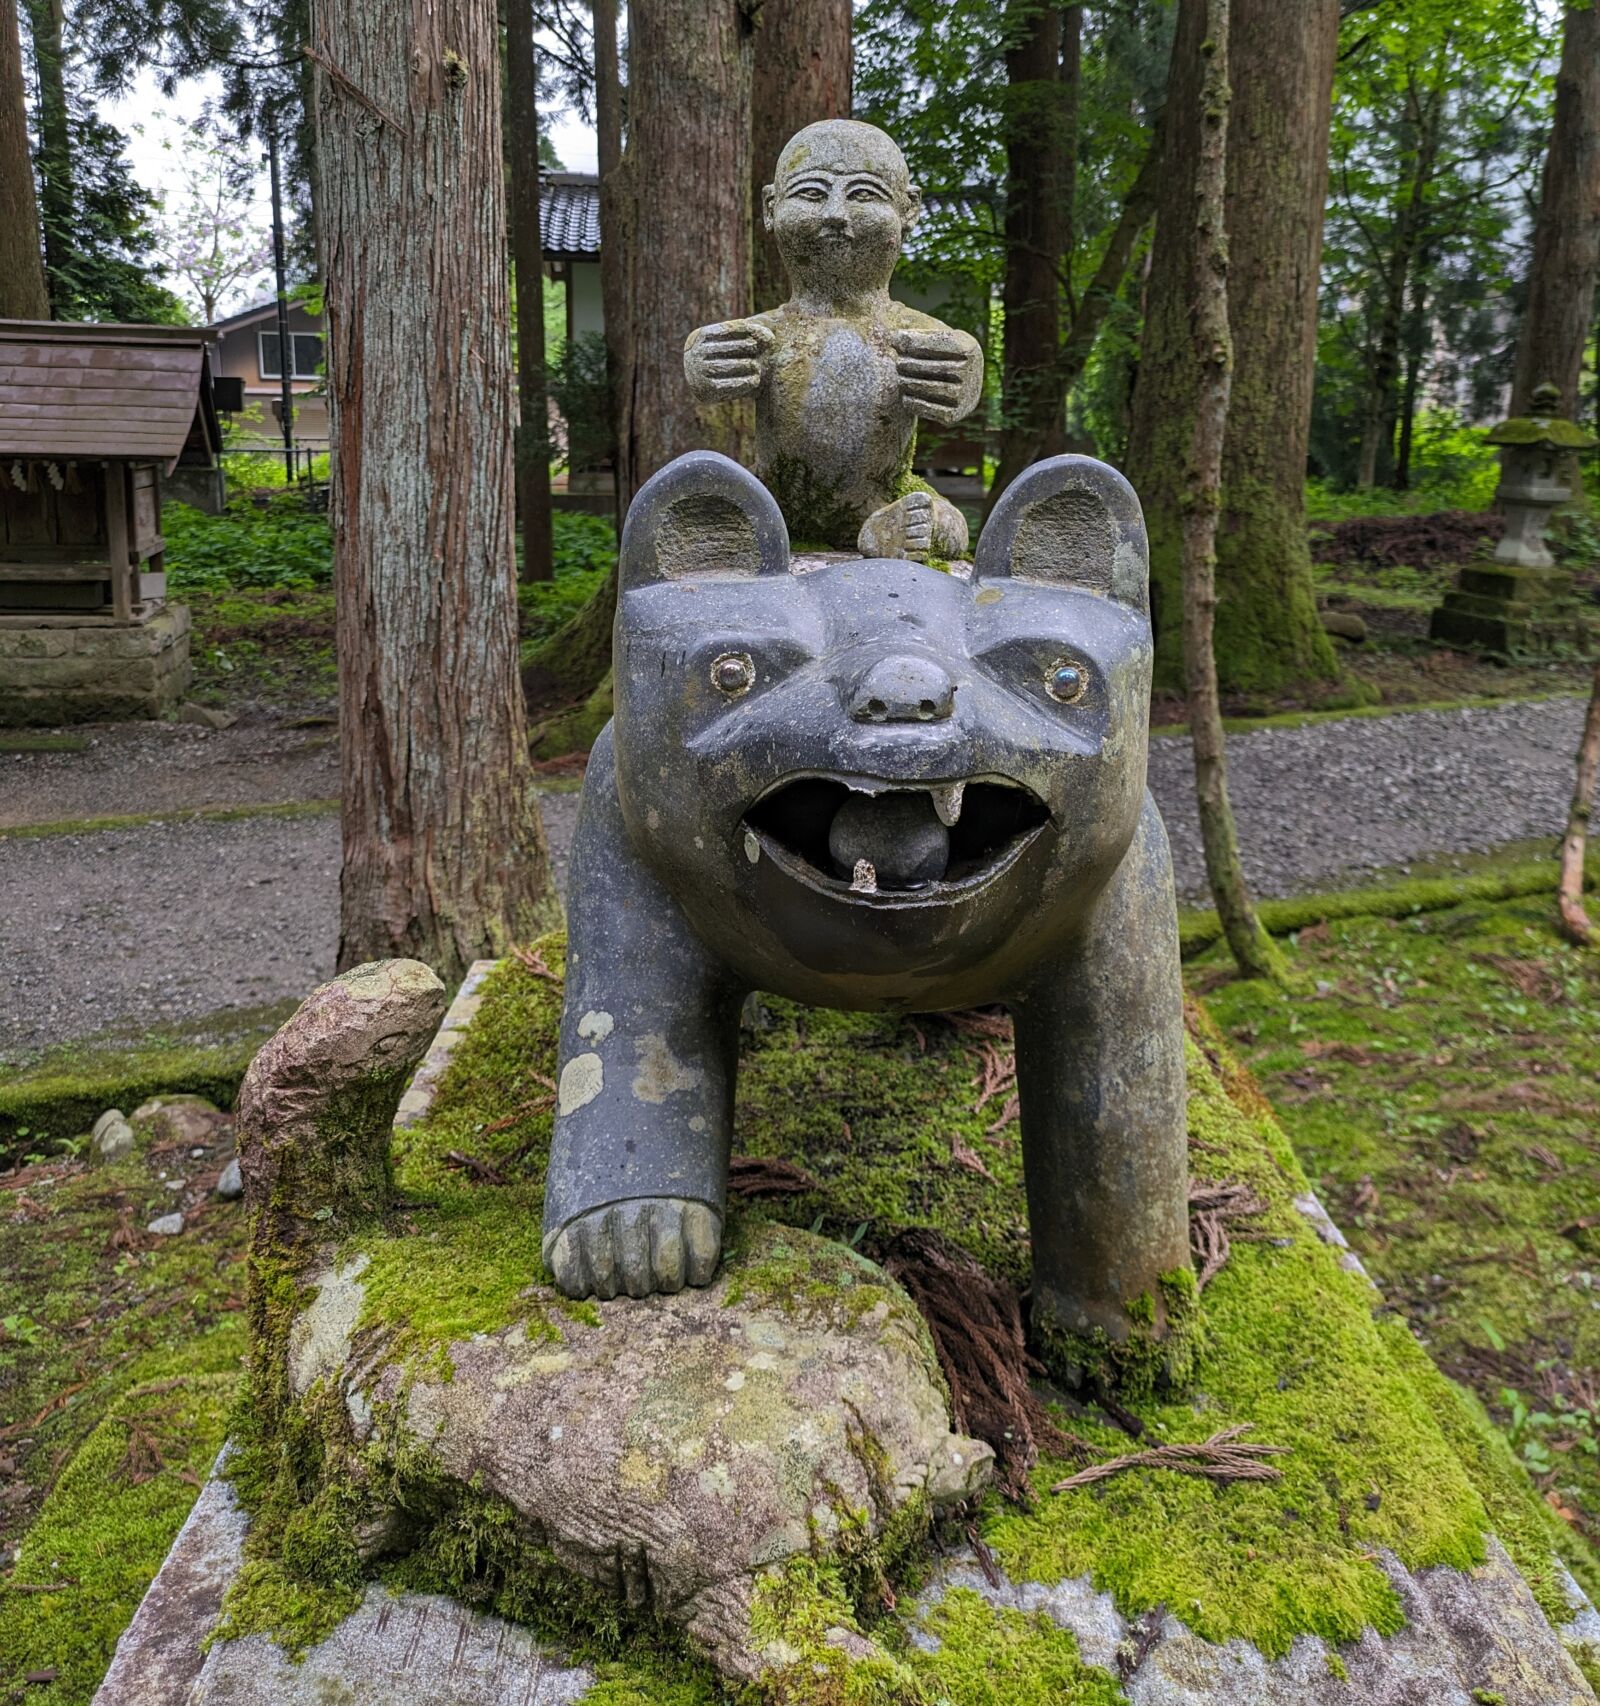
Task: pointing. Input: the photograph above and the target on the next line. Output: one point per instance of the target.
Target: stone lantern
(1521, 602)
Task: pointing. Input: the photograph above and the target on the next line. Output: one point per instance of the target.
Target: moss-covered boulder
(1401, 1547)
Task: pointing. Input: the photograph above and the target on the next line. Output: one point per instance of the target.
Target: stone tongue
(898, 834)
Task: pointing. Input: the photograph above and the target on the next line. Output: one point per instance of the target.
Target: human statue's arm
(726, 361)
(940, 369)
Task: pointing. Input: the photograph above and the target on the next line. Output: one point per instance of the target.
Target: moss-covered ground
(1407, 1028)
(1441, 1076)
(120, 1354)
(51, 1098)
(884, 1116)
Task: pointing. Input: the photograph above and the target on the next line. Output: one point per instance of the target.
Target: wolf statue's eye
(733, 673)
(1065, 682)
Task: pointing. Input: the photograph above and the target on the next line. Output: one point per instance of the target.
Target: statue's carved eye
(1065, 682)
(733, 673)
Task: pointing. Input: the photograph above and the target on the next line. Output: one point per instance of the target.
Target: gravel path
(173, 920)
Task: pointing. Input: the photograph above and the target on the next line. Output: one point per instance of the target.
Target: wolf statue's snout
(905, 689)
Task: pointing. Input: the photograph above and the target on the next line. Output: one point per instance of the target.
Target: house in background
(569, 225)
(246, 349)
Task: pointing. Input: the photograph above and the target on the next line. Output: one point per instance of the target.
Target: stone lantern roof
(1545, 429)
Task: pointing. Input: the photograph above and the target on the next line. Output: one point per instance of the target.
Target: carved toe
(702, 1243)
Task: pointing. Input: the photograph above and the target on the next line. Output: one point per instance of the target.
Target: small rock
(113, 1136)
(166, 1225)
(205, 716)
(180, 1119)
(230, 1185)
(1344, 625)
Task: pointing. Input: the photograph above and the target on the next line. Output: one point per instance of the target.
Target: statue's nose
(903, 690)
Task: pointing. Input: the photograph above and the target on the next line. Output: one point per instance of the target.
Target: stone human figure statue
(842, 373)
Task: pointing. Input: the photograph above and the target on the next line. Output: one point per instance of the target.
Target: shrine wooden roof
(95, 393)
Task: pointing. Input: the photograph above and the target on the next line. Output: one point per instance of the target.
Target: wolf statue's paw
(645, 1245)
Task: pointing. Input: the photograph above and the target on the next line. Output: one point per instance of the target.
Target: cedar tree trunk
(22, 289)
(1566, 241)
(801, 76)
(679, 210)
(1281, 61)
(1035, 126)
(616, 240)
(45, 20)
(1212, 354)
(688, 189)
(444, 853)
(527, 258)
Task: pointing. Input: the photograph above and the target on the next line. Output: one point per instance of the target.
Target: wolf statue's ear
(1069, 521)
(702, 515)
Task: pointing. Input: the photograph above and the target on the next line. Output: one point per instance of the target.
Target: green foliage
(1453, 468)
(579, 384)
(278, 543)
(585, 552)
(1439, 127)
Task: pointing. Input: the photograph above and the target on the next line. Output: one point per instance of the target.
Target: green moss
(195, 814)
(1496, 877)
(1441, 1088)
(987, 1657)
(60, 1093)
(1336, 1667)
(1160, 1352)
(103, 1532)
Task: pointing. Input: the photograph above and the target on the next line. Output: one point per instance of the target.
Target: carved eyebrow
(819, 179)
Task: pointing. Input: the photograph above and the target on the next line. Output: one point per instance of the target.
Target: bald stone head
(839, 206)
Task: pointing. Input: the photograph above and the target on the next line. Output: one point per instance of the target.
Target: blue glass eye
(1065, 682)
(733, 673)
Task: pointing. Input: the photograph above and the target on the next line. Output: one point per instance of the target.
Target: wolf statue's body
(871, 784)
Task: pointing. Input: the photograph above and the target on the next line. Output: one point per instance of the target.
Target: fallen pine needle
(1223, 1457)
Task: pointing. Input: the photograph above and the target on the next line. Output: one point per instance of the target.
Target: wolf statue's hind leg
(638, 1177)
(1100, 1075)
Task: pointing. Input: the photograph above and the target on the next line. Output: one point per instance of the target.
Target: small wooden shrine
(92, 418)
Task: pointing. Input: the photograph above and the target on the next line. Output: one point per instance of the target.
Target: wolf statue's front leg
(638, 1178)
(1100, 1075)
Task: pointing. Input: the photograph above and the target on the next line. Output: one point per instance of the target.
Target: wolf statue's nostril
(906, 689)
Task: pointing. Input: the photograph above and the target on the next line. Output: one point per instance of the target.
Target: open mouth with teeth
(861, 836)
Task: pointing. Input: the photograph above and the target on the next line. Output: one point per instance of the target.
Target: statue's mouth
(863, 838)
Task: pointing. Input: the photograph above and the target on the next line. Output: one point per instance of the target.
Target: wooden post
(117, 541)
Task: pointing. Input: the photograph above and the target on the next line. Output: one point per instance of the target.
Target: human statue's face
(838, 226)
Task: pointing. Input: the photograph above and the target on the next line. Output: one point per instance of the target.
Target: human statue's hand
(940, 371)
(725, 361)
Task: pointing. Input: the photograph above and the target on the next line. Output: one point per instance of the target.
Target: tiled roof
(569, 215)
(88, 392)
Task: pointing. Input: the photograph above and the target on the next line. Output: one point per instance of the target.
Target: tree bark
(444, 853)
(1212, 355)
(1416, 351)
(527, 259)
(1268, 637)
(1566, 239)
(1575, 923)
(45, 20)
(1034, 124)
(616, 240)
(22, 289)
(687, 172)
(801, 75)
(688, 136)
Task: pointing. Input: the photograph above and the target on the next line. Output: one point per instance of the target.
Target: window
(307, 348)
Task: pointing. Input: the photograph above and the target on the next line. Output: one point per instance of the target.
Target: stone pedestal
(70, 669)
(1510, 609)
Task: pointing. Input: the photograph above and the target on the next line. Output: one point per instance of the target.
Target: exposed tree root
(1221, 1458)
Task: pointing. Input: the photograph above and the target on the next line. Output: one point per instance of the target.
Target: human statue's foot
(901, 529)
(644, 1245)
(918, 526)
